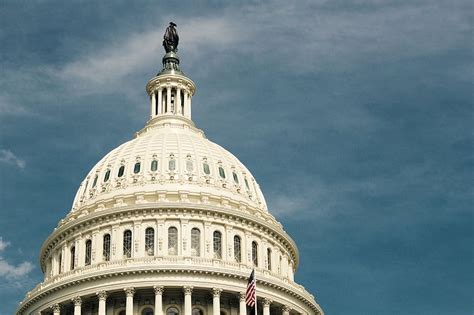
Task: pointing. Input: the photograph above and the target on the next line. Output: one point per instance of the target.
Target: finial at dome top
(170, 90)
(171, 38)
(170, 43)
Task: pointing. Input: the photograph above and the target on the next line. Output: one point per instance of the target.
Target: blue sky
(354, 116)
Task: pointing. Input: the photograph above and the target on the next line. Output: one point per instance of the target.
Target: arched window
(127, 243)
(255, 253)
(197, 311)
(237, 249)
(136, 168)
(172, 165)
(269, 258)
(85, 188)
(173, 241)
(236, 178)
(205, 168)
(121, 171)
(221, 172)
(154, 165)
(195, 242)
(217, 241)
(279, 265)
(88, 252)
(95, 181)
(246, 183)
(60, 260)
(73, 257)
(106, 247)
(107, 176)
(147, 311)
(172, 311)
(150, 241)
(189, 166)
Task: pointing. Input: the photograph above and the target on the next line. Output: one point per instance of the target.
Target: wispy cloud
(307, 42)
(8, 157)
(11, 271)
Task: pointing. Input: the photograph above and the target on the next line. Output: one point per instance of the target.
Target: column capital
(267, 302)
(77, 300)
(56, 308)
(158, 289)
(242, 296)
(129, 292)
(188, 290)
(286, 309)
(102, 295)
(216, 292)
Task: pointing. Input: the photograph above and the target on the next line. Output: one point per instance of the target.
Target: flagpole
(255, 279)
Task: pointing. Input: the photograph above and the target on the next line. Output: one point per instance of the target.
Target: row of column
(158, 103)
(216, 294)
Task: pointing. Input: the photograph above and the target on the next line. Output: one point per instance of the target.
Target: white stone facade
(168, 223)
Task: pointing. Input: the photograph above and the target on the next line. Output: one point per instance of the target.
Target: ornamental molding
(56, 308)
(77, 301)
(198, 211)
(286, 309)
(102, 295)
(158, 290)
(188, 290)
(267, 302)
(216, 292)
(129, 292)
(294, 290)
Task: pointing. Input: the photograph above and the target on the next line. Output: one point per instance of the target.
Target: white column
(153, 104)
(243, 305)
(266, 306)
(80, 253)
(56, 309)
(115, 241)
(216, 301)
(160, 101)
(102, 301)
(189, 106)
(168, 99)
(285, 310)
(129, 306)
(77, 305)
(177, 101)
(158, 300)
(187, 300)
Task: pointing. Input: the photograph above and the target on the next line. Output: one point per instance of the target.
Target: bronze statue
(171, 39)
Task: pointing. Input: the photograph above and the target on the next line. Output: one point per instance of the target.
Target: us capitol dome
(168, 223)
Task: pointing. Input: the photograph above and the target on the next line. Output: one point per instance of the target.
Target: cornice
(291, 289)
(163, 210)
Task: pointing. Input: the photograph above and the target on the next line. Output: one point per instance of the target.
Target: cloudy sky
(355, 117)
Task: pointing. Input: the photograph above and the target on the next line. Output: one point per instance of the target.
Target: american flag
(251, 293)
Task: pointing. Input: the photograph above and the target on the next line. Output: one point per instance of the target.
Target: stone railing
(165, 262)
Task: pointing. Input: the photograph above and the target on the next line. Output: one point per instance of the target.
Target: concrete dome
(169, 154)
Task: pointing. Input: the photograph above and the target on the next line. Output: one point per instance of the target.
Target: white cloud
(8, 157)
(10, 271)
(303, 37)
(3, 244)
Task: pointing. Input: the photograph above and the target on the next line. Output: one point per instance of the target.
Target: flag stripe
(251, 294)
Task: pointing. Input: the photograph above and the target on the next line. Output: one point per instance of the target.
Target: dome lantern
(170, 90)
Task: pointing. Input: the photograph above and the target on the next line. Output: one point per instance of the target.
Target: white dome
(181, 152)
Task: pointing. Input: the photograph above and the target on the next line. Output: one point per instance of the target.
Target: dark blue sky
(354, 116)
